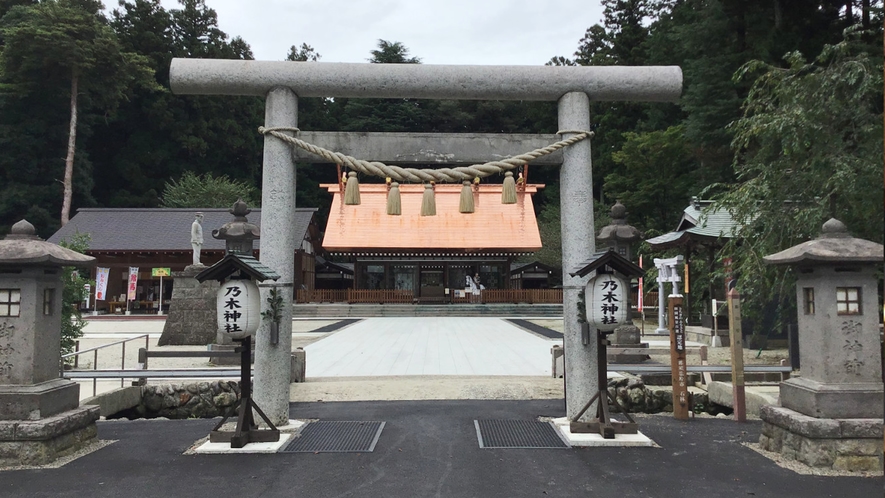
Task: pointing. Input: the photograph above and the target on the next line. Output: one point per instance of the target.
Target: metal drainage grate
(336, 437)
(517, 434)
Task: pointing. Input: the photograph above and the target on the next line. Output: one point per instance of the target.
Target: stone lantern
(40, 416)
(239, 233)
(618, 235)
(238, 236)
(831, 416)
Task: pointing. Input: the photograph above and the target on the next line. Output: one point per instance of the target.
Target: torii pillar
(283, 82)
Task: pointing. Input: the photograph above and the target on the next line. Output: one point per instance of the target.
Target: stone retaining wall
(636, 397)
(182, 401)
(213, 399)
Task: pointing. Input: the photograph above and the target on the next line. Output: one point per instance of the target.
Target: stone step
(392, 310)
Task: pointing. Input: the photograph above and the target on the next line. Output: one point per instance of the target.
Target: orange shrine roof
(493, 226)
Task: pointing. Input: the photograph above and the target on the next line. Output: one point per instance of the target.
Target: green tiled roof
(701, 219)
(238, 262)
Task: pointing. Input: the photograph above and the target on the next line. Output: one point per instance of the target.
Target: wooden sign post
(737, 356)
(677, 359)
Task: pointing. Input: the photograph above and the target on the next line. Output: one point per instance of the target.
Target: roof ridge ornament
(834, 229)
(23, 230)
(239, 210)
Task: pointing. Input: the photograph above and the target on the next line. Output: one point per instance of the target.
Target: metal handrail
(181, 373)
(94, 352)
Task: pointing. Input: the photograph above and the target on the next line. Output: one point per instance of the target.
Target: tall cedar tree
(68, 43)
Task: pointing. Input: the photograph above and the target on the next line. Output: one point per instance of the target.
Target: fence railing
(650, 300)
(94, 351)
(379, 296)
(321, 296)
(528, 296)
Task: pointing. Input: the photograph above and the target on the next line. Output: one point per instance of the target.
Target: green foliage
(274, 312)
(655, 175)
(303, 53)
(392, 53)
(551, 230)
(49, 48)
(157, 135)
(207, 191)
(73, 293)
(808, 147)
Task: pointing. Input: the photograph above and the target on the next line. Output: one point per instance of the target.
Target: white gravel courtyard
(430, 346)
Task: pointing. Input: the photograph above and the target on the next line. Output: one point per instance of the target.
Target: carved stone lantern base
(38, 442)
(853, 444)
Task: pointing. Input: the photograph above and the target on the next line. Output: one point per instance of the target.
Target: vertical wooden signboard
(737, 356)
(677, 359)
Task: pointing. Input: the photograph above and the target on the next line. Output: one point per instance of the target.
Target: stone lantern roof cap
(618, 229)
(240, 228)
(23, 247)
(833, 245)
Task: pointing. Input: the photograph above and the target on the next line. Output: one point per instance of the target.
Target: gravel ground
(715, 356)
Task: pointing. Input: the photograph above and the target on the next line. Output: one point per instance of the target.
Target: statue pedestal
(191, 320)
(626, 336)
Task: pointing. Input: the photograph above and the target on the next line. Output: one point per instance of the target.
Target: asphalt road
(429, 448)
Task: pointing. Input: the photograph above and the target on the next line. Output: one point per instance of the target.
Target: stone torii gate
(283, 82)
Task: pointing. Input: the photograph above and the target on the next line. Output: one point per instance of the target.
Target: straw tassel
(508, 193)
(394, 204)
(352, 190)
(428, 203)
(466, 204)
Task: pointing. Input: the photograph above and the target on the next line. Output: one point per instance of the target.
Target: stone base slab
(38, 401)
(38, 442)
(706, 336)
(627, 358)
(225, 449)
(562, 425)
(116, 400)
(859, 400)
(287, 432)
(722, 393)
(838, 444)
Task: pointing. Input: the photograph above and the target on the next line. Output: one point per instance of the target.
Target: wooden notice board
(677, 359)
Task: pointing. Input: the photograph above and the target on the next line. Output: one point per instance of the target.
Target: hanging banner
(101, 283)
(133, 281)
(606, 302)
(640, 299)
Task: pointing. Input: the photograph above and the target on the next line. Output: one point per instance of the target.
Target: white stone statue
(197, 237)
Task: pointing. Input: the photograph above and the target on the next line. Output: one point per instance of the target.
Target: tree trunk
(778, 15)
(69, 160)
(865, 14)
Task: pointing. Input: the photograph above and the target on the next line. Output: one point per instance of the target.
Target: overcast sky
(437, 31)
